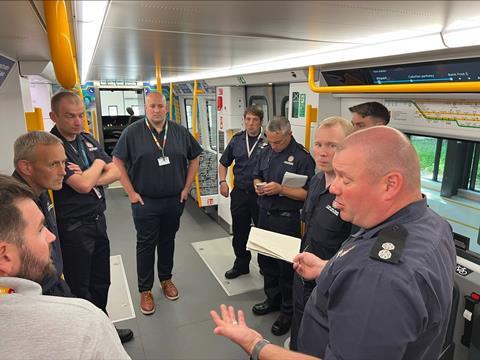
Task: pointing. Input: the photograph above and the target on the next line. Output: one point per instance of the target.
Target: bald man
(152, 156)
(387, 293)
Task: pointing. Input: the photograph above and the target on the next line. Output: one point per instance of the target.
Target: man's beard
(34, 269)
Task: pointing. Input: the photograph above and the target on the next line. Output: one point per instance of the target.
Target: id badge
(97, 192)
(162, 161)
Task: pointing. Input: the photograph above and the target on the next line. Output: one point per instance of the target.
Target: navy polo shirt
(46, 207)
(272, 166)
(363, 308)
(325, 231)
(137, 149)
(68, 202)
(244, 165)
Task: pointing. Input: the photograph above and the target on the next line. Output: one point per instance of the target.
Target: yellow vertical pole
(34, 120)
(171, 102)
(195, 135)
(310, 117)
(159, 78)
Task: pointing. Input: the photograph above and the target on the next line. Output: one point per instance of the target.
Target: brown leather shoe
(147, 304)
(169, 289)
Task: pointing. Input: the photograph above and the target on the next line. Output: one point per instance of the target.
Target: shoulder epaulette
(303, 148)
(389, 245)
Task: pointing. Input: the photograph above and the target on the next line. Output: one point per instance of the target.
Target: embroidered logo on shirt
(90, 146)
(342, 252)
(332, 210)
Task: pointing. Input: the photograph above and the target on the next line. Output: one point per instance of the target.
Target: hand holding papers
(294, 180)
(273, 244)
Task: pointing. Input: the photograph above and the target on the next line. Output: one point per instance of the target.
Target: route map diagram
(444, 118)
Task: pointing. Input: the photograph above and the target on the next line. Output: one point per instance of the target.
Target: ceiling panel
(21, 35)
(192, 36)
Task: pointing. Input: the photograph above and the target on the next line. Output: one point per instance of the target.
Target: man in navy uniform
(325, 231)
(387, 293)
(280, 212)
(80, 205)
(158, 160)
(39, 160)
(369, 114)
(243, 149)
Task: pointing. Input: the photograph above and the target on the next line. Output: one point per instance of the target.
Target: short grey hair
(24, 146)
(279, 124)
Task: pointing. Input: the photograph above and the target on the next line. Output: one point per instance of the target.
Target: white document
(273, 244)
(294, 180)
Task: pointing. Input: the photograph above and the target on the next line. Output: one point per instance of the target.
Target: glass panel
(212, 123)
(425, 147)
(262, 102)
(441, 164)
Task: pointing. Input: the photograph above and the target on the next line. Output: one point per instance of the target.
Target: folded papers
(273, 244)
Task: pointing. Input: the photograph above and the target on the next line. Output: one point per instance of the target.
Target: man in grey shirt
(35, 326)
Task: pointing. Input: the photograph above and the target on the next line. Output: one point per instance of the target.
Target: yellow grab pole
(195, 135)
(159, 78)
(472, 86)
(230, 168)
(310, 117)
(60, 42)
(34, 120)
(171, 102)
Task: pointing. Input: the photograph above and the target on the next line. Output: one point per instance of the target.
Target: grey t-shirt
(34, 326)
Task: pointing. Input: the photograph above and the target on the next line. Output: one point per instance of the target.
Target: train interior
(300, 59)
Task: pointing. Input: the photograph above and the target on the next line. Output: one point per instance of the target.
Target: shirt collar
(21, 286)
(404, 215)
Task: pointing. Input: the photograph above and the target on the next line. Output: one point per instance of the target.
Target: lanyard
(6, 291)
(161, 148)
(250, 151)
(81, 151)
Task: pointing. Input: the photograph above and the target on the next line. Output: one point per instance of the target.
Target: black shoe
(281, 325)
(265, 307)
(125, 335)
(236, 272)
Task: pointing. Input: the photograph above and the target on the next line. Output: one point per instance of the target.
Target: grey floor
(180, 329)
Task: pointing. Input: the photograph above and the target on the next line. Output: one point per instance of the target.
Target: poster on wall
(6, 65)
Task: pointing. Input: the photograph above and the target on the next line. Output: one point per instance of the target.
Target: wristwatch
(257, 348)
(222, 181)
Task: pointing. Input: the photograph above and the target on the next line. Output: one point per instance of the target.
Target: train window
(284, 107)
(474, 181)
(262, 102)
(212, 123)
(188, 112)
(431, 152)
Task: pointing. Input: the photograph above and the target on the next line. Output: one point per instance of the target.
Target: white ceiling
(193, 36)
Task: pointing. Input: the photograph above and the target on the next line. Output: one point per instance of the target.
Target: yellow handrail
(310, 117)
(170, 102)
(472, 86)
(34, 120)
(60, 42)
(195, 135)
(159, 78)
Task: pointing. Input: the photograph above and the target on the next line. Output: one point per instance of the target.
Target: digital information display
(438, 71)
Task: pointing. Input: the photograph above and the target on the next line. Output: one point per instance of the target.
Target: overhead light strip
(411, 45)
(91, 17)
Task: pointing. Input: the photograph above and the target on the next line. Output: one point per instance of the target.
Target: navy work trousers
(86, 257)
(244, 209)
(278, 274)
(156, 222)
